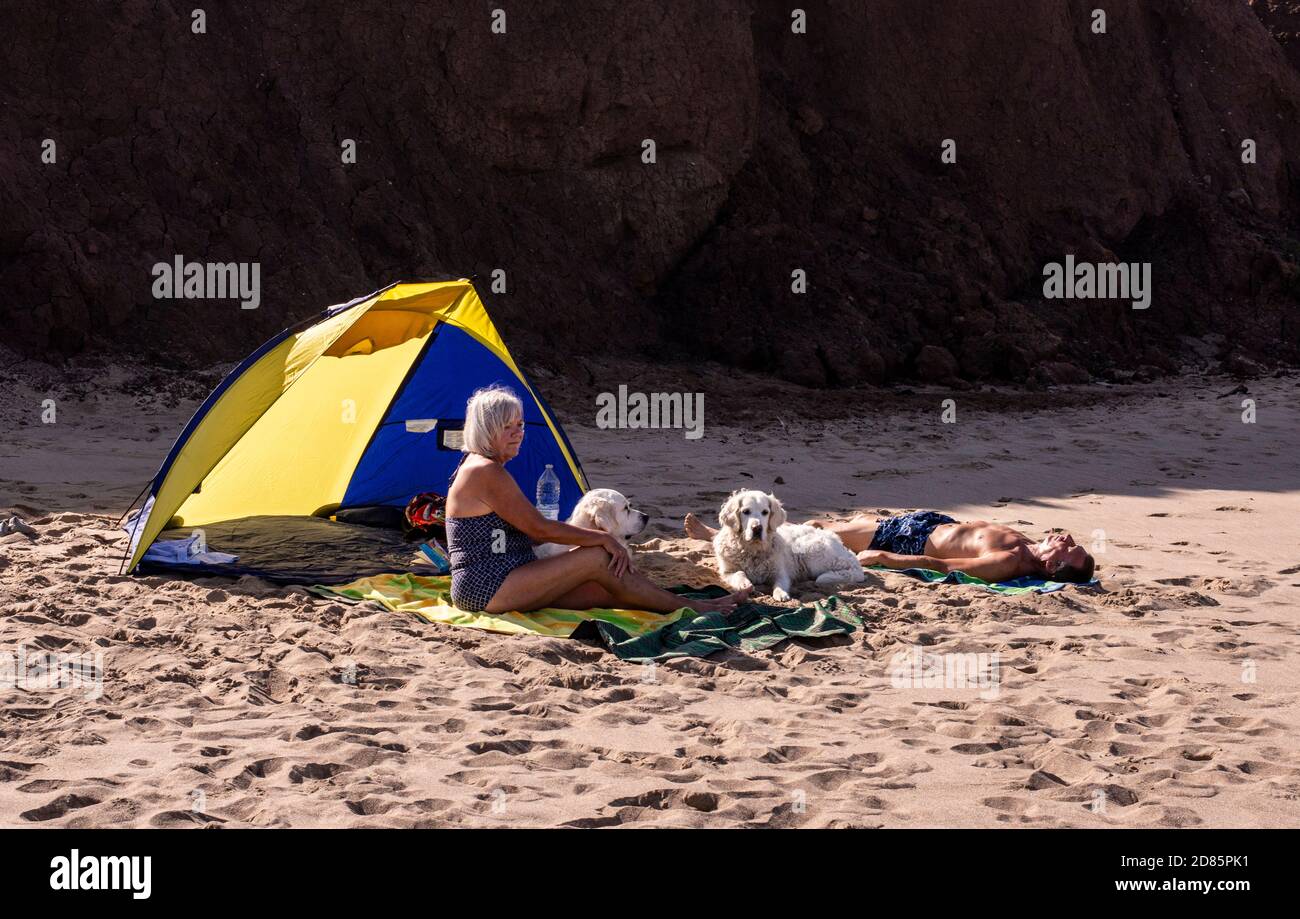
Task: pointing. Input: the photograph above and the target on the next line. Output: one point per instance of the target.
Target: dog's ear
(778, 511)
(729, 515)
(604, 516)
(596, 513)
(582, 513)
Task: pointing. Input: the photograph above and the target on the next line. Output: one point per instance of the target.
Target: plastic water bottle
(548, 494)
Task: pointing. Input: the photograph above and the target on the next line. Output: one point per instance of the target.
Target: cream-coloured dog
(601, 509)
(755, 546)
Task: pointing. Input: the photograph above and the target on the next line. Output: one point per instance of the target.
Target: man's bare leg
(698, 529)
(856, 534)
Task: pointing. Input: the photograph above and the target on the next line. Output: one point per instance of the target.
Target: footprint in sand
(1012, 809)
(59, 807)
(178, 818)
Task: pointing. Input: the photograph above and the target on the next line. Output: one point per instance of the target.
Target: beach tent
(361, 406)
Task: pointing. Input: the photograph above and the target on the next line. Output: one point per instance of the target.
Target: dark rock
(521, 151)
(997, 355)
(1242, 367)
(935, 364)
(1282, 18)
(1061, 373)
(810, 122)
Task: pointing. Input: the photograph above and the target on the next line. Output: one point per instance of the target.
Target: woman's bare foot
(697, 529)
(722, 604)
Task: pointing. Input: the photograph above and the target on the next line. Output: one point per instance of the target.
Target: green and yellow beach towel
(634, 635)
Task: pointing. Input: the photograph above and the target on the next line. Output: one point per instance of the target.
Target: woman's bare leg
(585, 596)
(565, 579)
(635, 591)
(856, 534)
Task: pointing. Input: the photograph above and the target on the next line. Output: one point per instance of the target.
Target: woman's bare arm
(495, 488)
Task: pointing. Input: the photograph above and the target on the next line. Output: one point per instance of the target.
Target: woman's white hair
(489, 412)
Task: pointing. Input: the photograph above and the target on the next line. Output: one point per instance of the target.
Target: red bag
(426, 515)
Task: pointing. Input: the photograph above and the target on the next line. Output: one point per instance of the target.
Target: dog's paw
(738, 582)
(779, 594)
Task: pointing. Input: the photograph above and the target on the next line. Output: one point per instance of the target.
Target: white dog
(601, 509)
(756, 546)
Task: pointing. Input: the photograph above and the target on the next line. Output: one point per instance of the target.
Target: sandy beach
(1169, 697)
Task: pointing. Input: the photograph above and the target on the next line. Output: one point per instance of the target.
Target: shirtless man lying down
(926, 539)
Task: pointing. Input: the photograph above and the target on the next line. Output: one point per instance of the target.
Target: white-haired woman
(491, 529)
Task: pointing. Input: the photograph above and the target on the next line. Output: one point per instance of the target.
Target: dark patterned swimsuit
(905, 534)
(477, 572)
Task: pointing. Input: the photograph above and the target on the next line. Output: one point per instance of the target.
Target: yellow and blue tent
(361, 406)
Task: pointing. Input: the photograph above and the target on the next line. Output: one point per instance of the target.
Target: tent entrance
(291, 550)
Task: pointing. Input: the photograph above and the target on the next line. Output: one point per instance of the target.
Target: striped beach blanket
(1025, 585)
(633, 635)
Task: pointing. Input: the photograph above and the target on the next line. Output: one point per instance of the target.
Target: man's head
(1064, 560)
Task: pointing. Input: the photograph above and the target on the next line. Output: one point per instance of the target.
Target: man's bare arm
(995, 566)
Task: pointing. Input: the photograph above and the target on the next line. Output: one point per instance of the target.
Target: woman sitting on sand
(487, 511)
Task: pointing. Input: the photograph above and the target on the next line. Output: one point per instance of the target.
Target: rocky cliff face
(775, 152)
(1282, 19)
